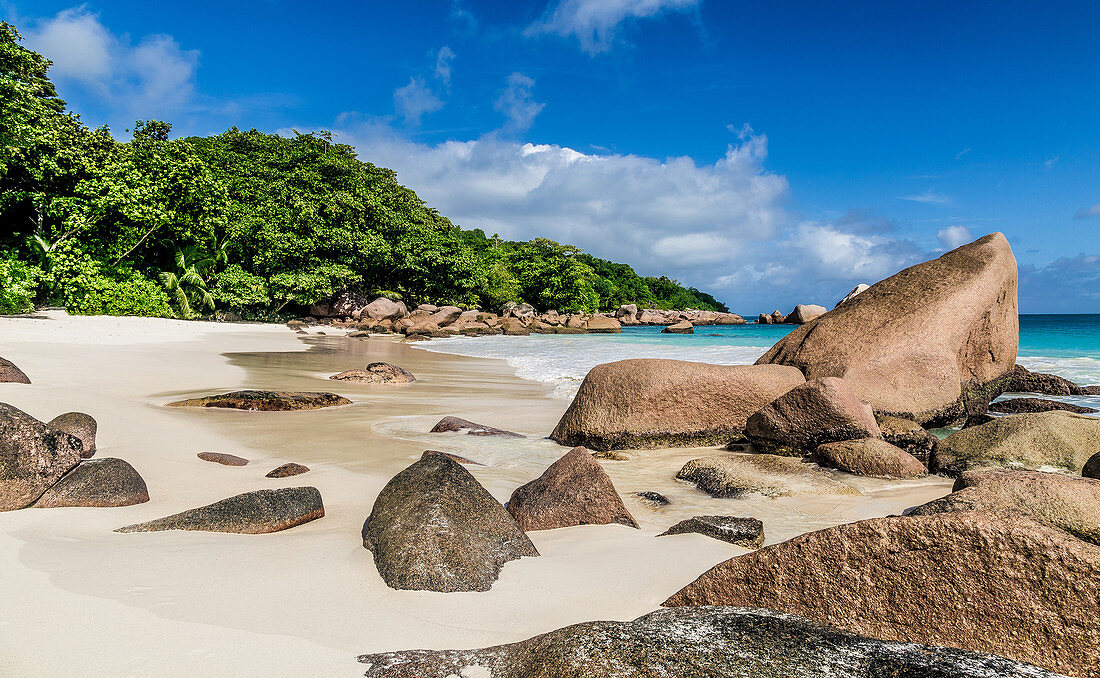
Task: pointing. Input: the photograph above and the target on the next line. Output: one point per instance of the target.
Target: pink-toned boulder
(601, 324)
(385, 309)
(11, 374)
(33, 456)
(811, 414)
(869, 457)
(574, 490)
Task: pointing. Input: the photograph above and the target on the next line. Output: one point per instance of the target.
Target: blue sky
(770, 153)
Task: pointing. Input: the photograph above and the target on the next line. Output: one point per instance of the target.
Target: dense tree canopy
(246, 221)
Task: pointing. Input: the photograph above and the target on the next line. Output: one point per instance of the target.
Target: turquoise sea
(1067, 345)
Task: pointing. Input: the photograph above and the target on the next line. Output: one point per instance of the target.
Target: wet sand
(82, 600)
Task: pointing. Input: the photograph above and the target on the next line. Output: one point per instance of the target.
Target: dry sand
(81, 600)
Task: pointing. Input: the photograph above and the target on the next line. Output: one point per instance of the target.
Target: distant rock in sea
(266, 401)
(454, 424)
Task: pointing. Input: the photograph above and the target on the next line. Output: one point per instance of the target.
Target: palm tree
(187, 285)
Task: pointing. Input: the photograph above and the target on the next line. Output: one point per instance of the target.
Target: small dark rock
(747, 532)
(1092, 467)
(452, 424)
(977, 420)
(1018, 405)
(266, 401)
(222, 458)
(1024, 381)
(97, 483)
(80, 425)
(256, 512)
(287, 470)
(11, 374)
(653, 497)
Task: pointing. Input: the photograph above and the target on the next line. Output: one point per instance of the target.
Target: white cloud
(153, 78)
(443, 65)
(954, 236)
(517, 102)
(928, 197)
(414, 100)
(1086, 212)
(594, 23)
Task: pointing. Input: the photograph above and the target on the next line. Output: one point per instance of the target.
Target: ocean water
(1066, 345)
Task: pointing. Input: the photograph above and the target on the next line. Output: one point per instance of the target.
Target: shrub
(237, 289)
(18, 284)
(85, 287)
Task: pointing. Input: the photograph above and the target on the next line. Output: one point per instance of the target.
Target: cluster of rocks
(630, 314)
(802, 314)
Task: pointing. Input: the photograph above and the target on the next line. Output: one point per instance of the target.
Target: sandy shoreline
(85, 601)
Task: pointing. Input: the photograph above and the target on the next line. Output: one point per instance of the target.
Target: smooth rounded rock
(455, 424)
(1021, 405)
(869, 457)
(1024, 441)
(33, 456)
(287, 470)
(222, 458)
(11, 374)
(80, 425)
(682, 327)
(574, 490)
(811, 414)
(737, 476)
(103, 482)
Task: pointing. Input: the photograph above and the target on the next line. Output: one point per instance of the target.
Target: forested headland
(258, 224)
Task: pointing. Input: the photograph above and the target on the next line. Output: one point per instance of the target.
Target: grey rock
(97, 483)
(747, 532)
(80, 425)
(33, 456)
(256, 512)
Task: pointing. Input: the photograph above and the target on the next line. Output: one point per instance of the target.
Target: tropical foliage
(246, 221)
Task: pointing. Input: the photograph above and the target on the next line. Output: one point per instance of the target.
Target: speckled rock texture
(287, 470)
(33, 456)
(1091, 468)
(256, 512)
(747, 532)
(1023, 380)
(1007, 586)
(80, 425)
(698, 642)
(222, 458)
(817, 412)
(738, 475)
(454, 424)
(435, 528)
(649, 403)
(931, 343)
(1060, 440)
(869, 457)
(377, 373)
(908, 435)
(1019, 405)
(102, 483)
(10, 374)
(574, 490)
(266, 401)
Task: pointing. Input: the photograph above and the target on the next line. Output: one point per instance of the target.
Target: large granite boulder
(908, 435)
(869, 457)
(1066, 502)
(747, 532)
(698, 642)
(574, 490)
(514, 327)
(740, 475)
(445, 316)
(930, 343)
(266, 401)
(256, 512)
(385, 309)
(981, 582)
(1021, 405)
(628, 314)
(646, 403)
(811, 414)
(80, 425)
(804, 313)
(601, 324)
(98, 483)
(348, 304)
(1025, 441)
(435, 528)
(377, 373)
(11, 374)
(33, 456)
(682, 327)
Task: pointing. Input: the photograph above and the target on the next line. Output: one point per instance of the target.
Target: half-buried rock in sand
(646, 403)
(11, 374)
(869, 457)
(747, 532)
(817, 412)
(100, 483)
(700, 642)
(266, 401)
(33, 456)
(1007, 586)
(435, 528)
(931, 343)
(222, 458)
(257, 512)
(574, 490)
(455, 424)
(78, 424)
(738, 475)
(377, 373)
(1025, 441)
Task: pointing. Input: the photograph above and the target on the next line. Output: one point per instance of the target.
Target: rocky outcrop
(908, 435)
(627, 314)
(435, 528)
(1065, 502)
(601, 324)
(256, 512)
(747, 532)
(1021, 380)
(513, 327)
(384, 309)
(348, 304)
(646, 403)
(1025, 441)
(811, 414)
(455, 424)
(737, 476)
(287, 470)
(856, 291)
(682, 327)
(698, 642)
(33, 456)
(574, 490)
(222, 458)
(377, 373)
(869, 457)
(266, 401)
(10, 374)
(931, 343)
(1020, 405)
(522, 311)
(97, 483)
(79, 425)
(1007, 586)
(804, 313)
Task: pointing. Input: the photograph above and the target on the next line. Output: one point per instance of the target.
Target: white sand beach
(82, 600)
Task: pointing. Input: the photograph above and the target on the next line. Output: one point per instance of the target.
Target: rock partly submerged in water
(574, 490)
(682, 327)
(869, 457)
(33, 456)
(102, 483)
(738, 475)
(266, 401)
(1022, 405)
(11, 374)
(377, 373)
(747, 532)
(1022, 380)
(256, 512)
(647, 403)
(1007, 586)
(811, 414)
(930, 343)
(80, 425)
(1068, 503)
(435, 528)
(455, 424)
(700, 642)
(1025, 441)
(287, 470)
(222, 458)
